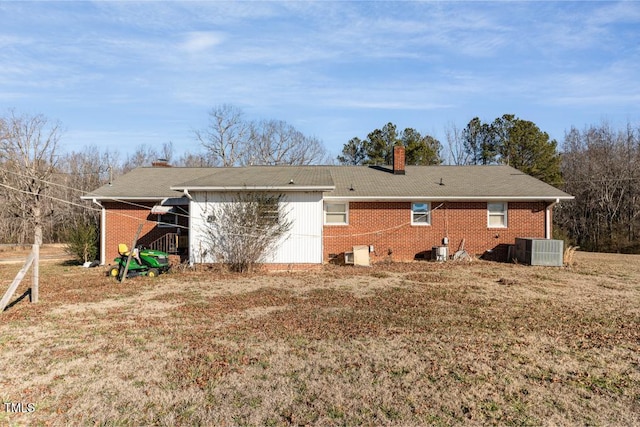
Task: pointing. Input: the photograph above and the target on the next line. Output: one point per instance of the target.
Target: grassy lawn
(400, 344)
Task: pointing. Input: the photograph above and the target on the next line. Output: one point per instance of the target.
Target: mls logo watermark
(19, 407)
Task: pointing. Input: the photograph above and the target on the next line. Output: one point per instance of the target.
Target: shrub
(243, 229)
(82, 241)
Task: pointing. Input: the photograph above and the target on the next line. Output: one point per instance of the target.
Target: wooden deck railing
(167, 243)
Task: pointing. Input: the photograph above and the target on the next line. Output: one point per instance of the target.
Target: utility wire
(138, 205)
(91, 208)
(128, 202)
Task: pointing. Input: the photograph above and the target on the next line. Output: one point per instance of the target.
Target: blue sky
(122, 74)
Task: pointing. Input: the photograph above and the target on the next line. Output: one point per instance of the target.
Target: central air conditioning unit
(534, 251)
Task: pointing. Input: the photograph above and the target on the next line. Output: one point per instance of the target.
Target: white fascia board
(257, 188)
(447, 199)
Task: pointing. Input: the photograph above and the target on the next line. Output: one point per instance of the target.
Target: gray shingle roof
(147, 183)
(466, 182)
(280, 177)
(459, 182)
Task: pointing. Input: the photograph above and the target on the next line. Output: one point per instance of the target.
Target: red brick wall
(387, 226)
(122, 224)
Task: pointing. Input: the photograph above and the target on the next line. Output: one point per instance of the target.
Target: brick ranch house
(400, 212)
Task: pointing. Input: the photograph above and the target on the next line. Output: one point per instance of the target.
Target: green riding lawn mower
(144, 262)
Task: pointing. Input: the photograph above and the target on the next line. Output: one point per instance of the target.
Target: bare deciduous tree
(144, 155)
(230, 140)
(455, 142)
(226, 136)
(599, 166)
(78, 174)
(194, 160)
(275, 142)
(28, 156)
(242, 230)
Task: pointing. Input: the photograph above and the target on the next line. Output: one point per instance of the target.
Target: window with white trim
(497, 215)
(336, 213)
(420, 213)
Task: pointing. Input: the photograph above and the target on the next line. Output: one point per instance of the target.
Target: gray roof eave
(449, 198)
(118, 198)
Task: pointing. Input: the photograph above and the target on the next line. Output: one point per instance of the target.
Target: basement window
(497, 215)
(336, 213)
(420, 214)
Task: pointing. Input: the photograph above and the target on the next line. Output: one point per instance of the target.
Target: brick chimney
(398, 160)
(160, 163)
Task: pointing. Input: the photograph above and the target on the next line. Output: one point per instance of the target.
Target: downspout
(103, 232)
(189, 228)
(548, 219)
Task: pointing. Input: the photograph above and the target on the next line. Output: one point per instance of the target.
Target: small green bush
(82, 242)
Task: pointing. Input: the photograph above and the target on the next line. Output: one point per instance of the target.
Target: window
(497, 214)
(336, 213)
(269, 210)
(420, 214)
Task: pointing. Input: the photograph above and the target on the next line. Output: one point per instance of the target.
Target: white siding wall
(197, 221)
(303, 244)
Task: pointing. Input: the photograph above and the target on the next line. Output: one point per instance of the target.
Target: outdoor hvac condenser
(534, 251)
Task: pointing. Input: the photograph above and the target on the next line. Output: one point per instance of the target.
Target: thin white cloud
(389, 105)
(298, 57)
(601, 90)
(174, 16)
(201, 41)
(611, 13)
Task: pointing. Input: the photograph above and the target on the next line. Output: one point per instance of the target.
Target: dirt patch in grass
(414, 344)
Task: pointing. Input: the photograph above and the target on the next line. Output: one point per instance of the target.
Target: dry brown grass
(569, 254)
(398, 344)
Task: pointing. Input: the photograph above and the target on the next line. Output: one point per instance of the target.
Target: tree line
(600, 168)
(41, 186)
(507, 140)
(598, 165)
